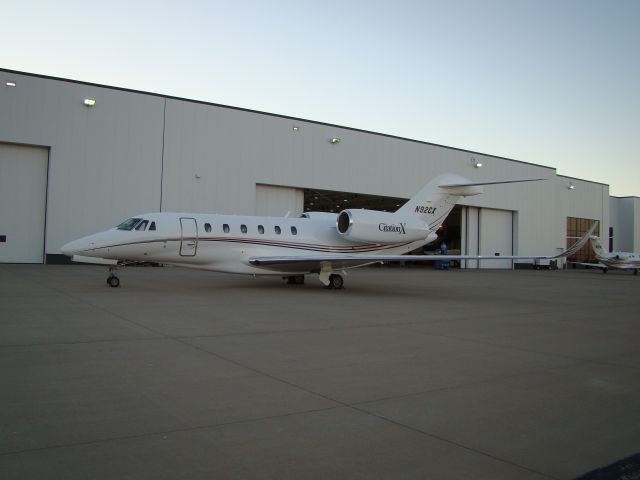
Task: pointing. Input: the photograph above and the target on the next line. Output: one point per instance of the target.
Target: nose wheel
(112, 280)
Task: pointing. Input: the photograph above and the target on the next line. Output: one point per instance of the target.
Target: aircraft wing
(594, 265)
(337, 262)
(315, 262)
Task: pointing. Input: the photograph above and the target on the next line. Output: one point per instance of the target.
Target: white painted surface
(23, 190)
(134, 153)
(277, 201)
(496, 234)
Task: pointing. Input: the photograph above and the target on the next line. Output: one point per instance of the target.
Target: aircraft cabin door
(189, 237)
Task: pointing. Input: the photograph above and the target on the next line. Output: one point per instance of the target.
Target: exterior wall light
(334, 140)
(571, 186)
(476, 163)
(295, 129)
(10, 84)
(89, 102)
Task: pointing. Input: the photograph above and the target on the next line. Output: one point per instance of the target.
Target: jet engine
(379, 227)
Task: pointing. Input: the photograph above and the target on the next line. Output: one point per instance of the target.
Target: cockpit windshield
(129, 224)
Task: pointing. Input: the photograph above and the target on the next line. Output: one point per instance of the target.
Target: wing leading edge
(316, 262)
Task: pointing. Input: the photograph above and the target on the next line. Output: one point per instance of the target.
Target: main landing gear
(295, 280)
(113, 280)
(335, 282)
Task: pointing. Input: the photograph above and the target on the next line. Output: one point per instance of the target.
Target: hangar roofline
(582, 180)
(315, 122)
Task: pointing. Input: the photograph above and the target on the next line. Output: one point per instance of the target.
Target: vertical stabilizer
(597, 247)
(433, 203)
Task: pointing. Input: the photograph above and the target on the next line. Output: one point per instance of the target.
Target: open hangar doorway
(333, 201)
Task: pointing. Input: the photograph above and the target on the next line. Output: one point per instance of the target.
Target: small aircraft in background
(316, 243)
(618, 260)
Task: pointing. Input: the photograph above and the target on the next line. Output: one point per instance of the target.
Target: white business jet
(316, 243)
(619, 260)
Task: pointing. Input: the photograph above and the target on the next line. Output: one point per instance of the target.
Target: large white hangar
(76, 158)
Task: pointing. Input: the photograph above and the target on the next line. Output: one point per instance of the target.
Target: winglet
(579, 244)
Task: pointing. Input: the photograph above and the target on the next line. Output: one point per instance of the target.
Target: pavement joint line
(528, 350)
(81, 342)
(379, 417)
(339, 404)
(461, 386)
(456, 444)
(212, 426)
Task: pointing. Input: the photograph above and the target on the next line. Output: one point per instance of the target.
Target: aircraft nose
(68, 249)
(73, 248)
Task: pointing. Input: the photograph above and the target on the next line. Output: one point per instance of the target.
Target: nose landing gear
(113, 280)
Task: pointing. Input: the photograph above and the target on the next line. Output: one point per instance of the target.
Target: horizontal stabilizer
(477, 184)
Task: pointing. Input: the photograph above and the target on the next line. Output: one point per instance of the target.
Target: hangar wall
(23, 191)
(626, 234)
(136, 152)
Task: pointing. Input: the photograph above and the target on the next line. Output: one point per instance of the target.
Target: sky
(556, 83)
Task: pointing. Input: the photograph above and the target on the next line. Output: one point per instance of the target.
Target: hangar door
(488, 232)
(496, 236)
(23, 192)
(277, 201)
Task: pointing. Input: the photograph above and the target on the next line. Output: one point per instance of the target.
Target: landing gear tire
(113, 281)
(295, 280)
(605, 270)
(635, 272)
(335, 282)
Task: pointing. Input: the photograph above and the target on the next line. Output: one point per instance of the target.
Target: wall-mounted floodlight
(10, 84)
(571, 186)
(295, 128)
(89, 102)
(335, 141)
(476, 163)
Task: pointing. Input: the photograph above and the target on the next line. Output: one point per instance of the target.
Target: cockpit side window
(152, 226)
(129, 224)
(142, 226)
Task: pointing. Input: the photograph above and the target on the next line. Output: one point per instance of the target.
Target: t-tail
(597, 247)
(437, 198)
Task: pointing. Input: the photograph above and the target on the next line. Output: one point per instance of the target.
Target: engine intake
(379, 227)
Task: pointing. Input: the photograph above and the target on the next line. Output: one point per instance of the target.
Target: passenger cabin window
(152, 226)
(294, 231)
(260, 229)
(142, 226)
(277, 230)
(129, 224)
(225, 228)
(243, 228)
(207, 227)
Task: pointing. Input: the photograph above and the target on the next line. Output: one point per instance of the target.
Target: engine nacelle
(380, 227)
(324, 216)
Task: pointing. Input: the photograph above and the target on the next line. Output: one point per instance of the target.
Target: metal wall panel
(496, 237)
(136, 152)
(584, 200)
(23, 191)
(625, 220)
(470, 235)
(278, 201)
(487, 231)
(105, 161)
